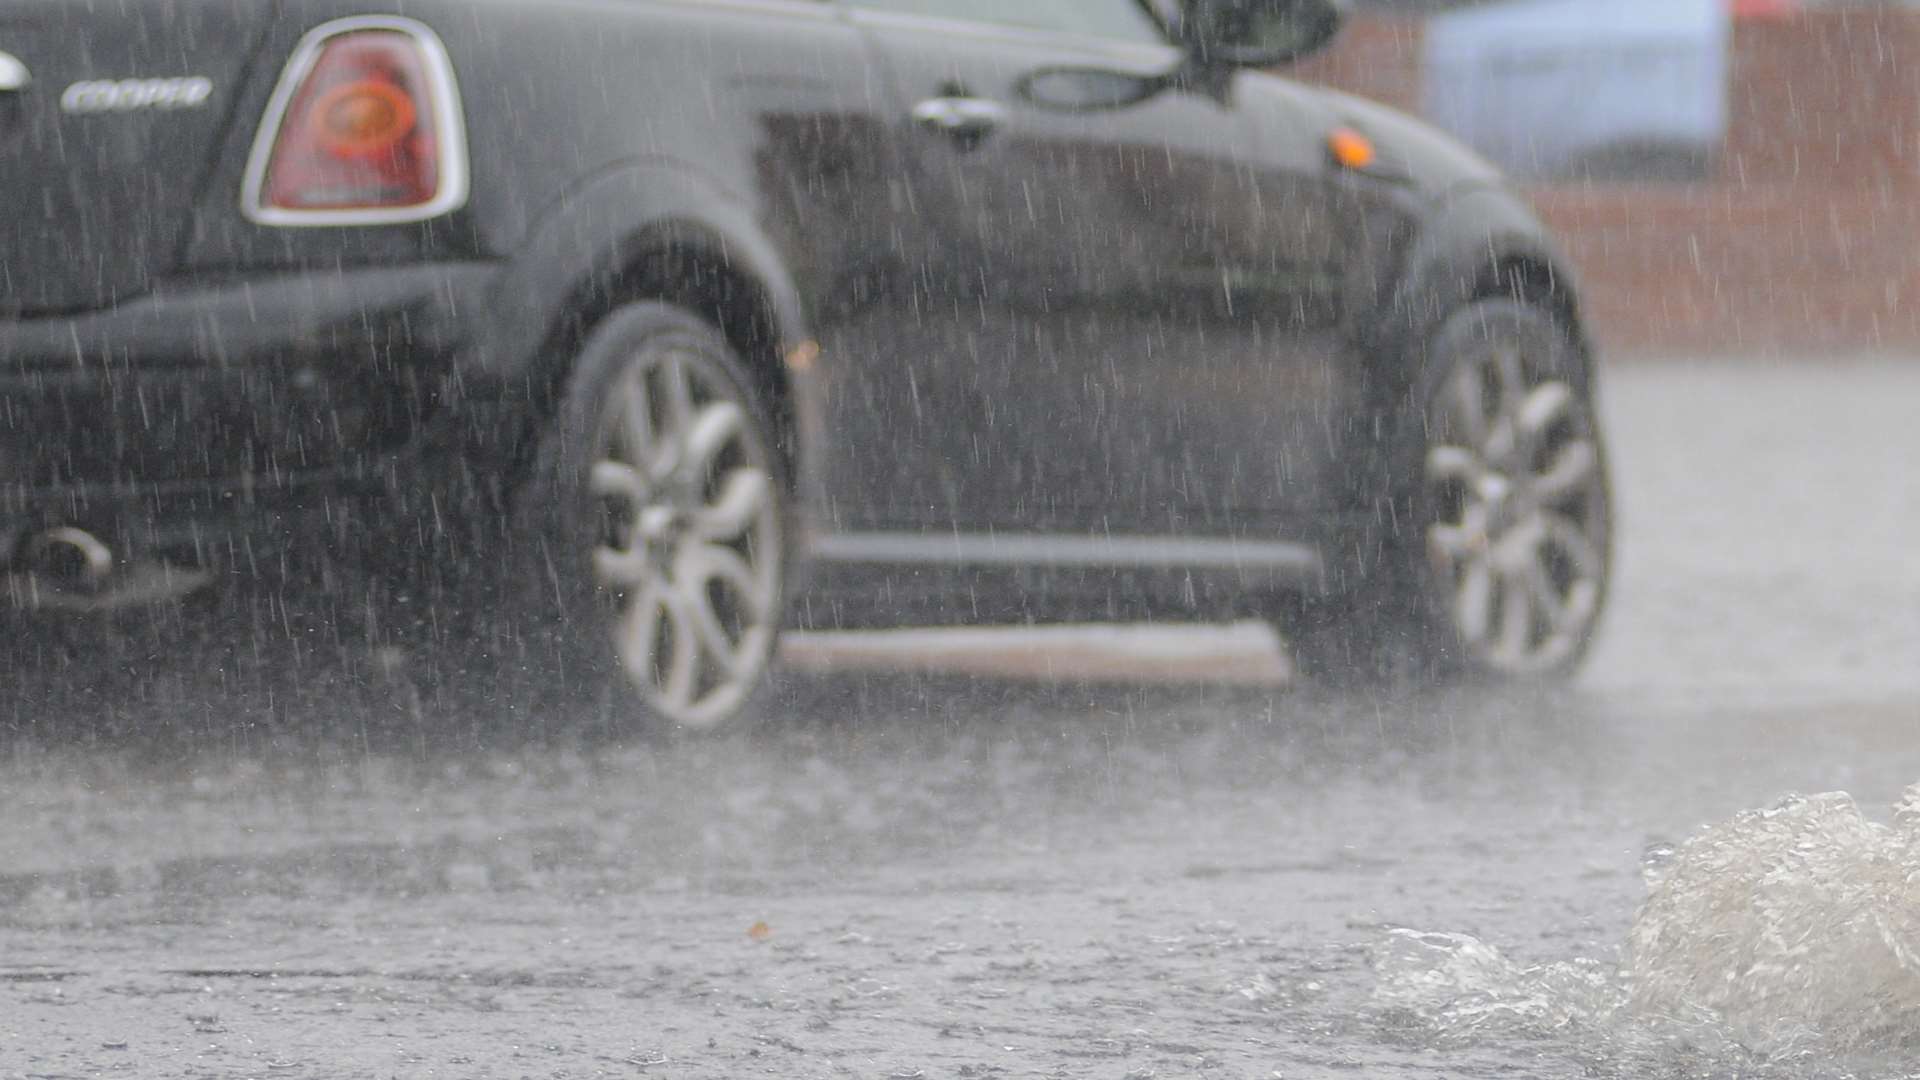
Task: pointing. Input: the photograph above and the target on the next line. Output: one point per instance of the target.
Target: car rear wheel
(655, 522)
(1503, 570)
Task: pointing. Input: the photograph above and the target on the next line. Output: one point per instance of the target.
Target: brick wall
(1375, 57)
(1807, 239)
(1742, 269)
(1829, 100)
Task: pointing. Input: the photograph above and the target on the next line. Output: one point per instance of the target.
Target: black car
(692, 319)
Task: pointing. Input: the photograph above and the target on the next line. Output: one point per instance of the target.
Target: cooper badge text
(129, 95)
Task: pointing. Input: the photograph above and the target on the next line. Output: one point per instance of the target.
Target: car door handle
(965, 118)
(13, 74)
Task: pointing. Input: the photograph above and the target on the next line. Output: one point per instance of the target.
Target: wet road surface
(275, 864)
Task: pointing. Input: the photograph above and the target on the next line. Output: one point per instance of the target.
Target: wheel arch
(1483, 245)
(645, 233)
(686, 264)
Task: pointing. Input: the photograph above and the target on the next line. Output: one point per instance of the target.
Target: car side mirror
(1257, 33)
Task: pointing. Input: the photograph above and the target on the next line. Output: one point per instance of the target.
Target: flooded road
(275, 864)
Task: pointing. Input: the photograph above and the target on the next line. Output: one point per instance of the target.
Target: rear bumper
(217, 401)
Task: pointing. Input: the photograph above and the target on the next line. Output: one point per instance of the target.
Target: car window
(1124, 20)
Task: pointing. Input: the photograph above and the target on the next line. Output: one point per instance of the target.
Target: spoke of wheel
(671, 677)
(1452, 463)
(1474, 600)
(711, 636)
(1516, 618)
(622, 568)
(1545, 595)
(1470, 405)
(1573, 540)
(698, 566)
(742, 497)
(712, 429)
(1571, 473)
(682, 668)
(1582, 603)
(700, 563)
(1512, 376)
(634, 432)
(1544, 405)
(1457, 540)
(618, 480)
(1574, 607)
(676, 386)
(636, 631)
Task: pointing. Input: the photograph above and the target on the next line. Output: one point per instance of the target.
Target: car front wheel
(1503, 570)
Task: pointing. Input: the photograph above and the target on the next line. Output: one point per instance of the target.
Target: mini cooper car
(690, 320)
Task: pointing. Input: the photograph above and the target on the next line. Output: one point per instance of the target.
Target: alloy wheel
(1517, 489)
(689, 554)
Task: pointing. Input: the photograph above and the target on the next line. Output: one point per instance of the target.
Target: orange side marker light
(1351, 149)
(803, 356)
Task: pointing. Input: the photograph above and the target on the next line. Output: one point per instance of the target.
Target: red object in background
(358, 133)
(1763, 9)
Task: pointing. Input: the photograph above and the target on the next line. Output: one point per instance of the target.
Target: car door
(1100, 316)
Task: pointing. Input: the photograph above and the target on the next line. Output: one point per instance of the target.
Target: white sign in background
(1544, 86)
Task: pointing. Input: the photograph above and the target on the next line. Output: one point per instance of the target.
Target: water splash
(1783, 933)
(1462, 987)
(1795, 928)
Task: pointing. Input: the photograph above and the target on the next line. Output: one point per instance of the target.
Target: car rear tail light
(364, 129)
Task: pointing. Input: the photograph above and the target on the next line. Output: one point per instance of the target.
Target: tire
(652, 531)
(1500, 564)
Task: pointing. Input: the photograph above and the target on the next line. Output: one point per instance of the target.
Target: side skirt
(904, 578)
